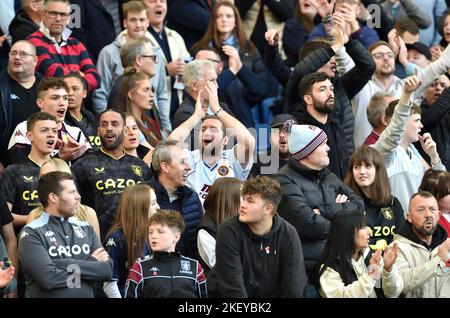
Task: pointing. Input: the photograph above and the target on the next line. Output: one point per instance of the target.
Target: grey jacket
(410, 9)
(110, 68)
(55, 253)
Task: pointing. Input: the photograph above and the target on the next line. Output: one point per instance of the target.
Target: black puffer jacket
(304, 190)
(336, 139)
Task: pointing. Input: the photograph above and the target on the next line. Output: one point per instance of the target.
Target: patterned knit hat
(304, 139)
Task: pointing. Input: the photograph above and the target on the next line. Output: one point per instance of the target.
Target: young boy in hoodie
(258, 253)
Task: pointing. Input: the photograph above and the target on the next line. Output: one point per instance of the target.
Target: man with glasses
(59, 53)
(278, 156)
(27, 20)
(385, 80)
(18, 92)
(109, 64)
(139, 54)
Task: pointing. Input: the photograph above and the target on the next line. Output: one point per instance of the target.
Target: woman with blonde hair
(136, 97)
(222, 202)
(82, 212)
(127, 240)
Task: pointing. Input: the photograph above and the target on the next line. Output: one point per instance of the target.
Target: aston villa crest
(387, 213)
(137, 170)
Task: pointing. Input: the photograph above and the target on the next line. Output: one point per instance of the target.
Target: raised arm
(393, 134)
(245, 147)
(182, 132)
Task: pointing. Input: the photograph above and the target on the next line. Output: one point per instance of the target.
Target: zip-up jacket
(55, 254)
(166, 274)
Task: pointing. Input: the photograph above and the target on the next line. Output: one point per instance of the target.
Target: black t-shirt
(102, 178)
(19, 186)
(23, 101)
(88, 125)
(5, 215)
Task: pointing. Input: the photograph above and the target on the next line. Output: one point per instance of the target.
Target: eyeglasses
(21, 54)
(153, 57)
(54, 14)
(277, 131)
(379, 56)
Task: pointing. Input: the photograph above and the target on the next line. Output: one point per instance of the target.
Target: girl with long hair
(222, 202)
(368, 178)
(341, 271)
(127, 240)
(136, 97)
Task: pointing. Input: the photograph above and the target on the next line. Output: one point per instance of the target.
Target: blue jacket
(191, 209)
(189, 18)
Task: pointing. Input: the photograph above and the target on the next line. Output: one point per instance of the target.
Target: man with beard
(211, 160)
(278, 155)
(56, 245)
(423, 250)
(103, 174)
(317, 92)
(52, 98)
(385, 80)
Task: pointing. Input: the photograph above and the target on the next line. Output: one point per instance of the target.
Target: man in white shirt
(210, 160)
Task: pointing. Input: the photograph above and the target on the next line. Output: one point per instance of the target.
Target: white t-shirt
(19, 136)
(202, 176)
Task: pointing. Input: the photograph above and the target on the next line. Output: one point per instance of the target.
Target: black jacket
(304, 190)
(21, 27)
(96, 29)
(345, 87)
(254, 266)
(436, 121)
(336, 139)
(6, 120)
(189, 18)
